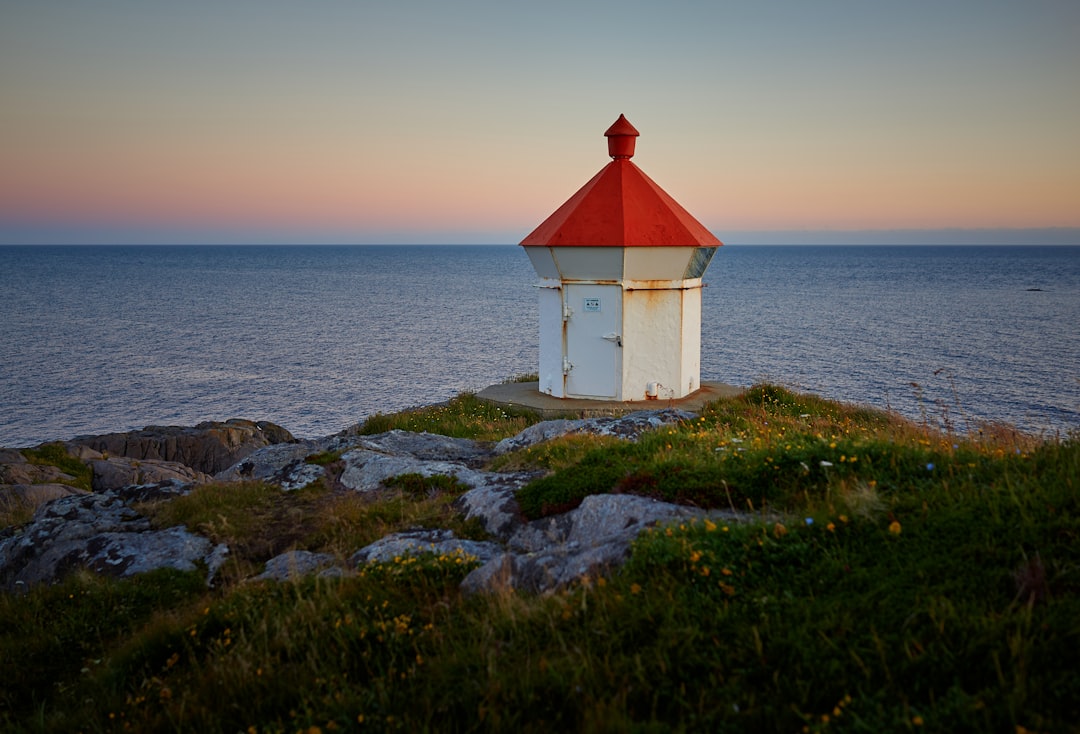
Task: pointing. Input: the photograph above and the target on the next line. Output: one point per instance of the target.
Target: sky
(434, 121)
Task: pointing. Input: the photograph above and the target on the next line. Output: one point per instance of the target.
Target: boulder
(295, 565)
(589, 540)
(15, 469)
(119, 471)
(268, 463)
(419, 541)
(208, 447)
(99, 532)
(365, 470)
(628, 427)
(16, 499)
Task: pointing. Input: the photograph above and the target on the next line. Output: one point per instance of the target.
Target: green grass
(54, 454)
(874, 595)
(464, 416)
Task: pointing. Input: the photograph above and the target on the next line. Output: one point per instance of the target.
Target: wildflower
(695, 556)
(779, 530)
(917, 720)
(725, 571)
(929, 467)
(830, 527)
(826, 463)
(709, 525)
(635, 589)
(809, 521)
(894, 527)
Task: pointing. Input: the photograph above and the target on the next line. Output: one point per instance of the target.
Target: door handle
(611, 336)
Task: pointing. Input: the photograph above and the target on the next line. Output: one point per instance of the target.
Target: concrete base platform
(528, 395)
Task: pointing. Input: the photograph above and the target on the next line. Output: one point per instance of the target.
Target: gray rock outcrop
(628, 426)
(208, 447)
(120, 471)
(415, 542)
(102, 533)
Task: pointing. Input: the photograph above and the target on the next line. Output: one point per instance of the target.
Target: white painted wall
(551, 342)
(660, 316)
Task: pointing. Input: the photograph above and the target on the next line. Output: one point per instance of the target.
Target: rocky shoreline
(98, 527)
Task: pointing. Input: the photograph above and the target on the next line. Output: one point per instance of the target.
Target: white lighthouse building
(620, 267)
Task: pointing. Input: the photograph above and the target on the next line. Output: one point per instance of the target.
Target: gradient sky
(433, 121)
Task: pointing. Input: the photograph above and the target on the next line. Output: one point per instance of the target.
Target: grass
(464, 416)
(54, 454)
(879, 594)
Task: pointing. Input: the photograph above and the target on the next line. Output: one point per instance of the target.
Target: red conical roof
(621, 206)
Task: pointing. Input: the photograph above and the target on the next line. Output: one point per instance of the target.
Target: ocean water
(101, 339)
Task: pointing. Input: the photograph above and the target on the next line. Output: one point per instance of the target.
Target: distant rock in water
(209, 447)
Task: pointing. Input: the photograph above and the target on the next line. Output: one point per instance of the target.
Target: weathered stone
(28, 497)
(426, 446)
(120, 471)
(294, 565)
(208, 447)
(628, 426)
(15, 469)
(492, 502)
(587, 541)
(366, 470)
(127, 554)
(100, 532)
(166, 490)
(416, 542)
(265, 463)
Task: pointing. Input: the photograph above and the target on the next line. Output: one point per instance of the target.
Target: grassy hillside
(897, 579)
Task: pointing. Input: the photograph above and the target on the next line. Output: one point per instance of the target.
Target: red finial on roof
(620, 138)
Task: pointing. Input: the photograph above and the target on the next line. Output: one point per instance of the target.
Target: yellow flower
(830, 527)
(709, 525)
(779, 530)
(635, 589)
(917, 721)
(894, 527)
(695, 556)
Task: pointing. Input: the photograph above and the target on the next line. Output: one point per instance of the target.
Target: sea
(100, 339)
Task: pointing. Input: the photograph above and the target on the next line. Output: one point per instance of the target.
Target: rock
(208, 447)
(285, 464)
(18, 498)
(99, 532)
(269, 462)
(119, 471)
(425, 446)
(294, 565)
(628, 426)
(365, 470)
(416, 542)
(15, 469)
(102, 532)
(587, 541)
(491, 501)
(158, 492)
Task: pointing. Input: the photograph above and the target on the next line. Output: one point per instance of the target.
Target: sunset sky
(432, 121)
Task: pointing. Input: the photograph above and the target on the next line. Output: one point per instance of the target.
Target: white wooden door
(593, 340)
